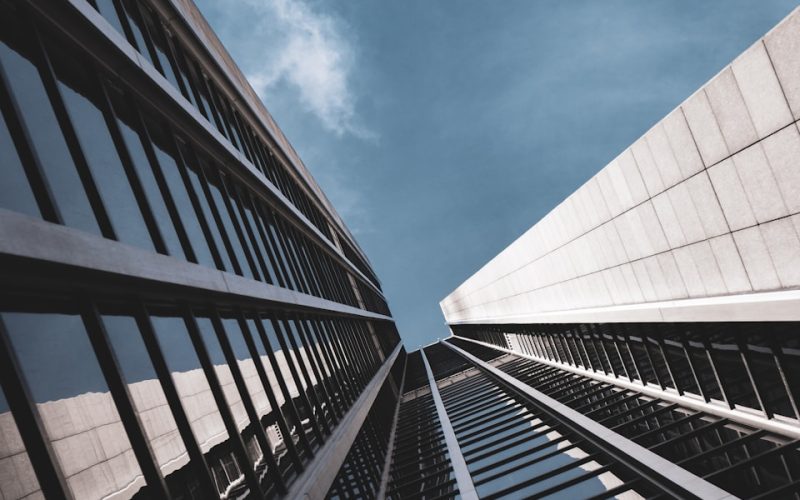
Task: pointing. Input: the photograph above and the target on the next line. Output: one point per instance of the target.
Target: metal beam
(26, 237)
(387, 464)
(671, 478)
(317, 478)
(463, 478)
(748, 418)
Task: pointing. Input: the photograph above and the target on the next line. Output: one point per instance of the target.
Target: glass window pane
(163, 146)
(135, 22)
(198, 183)
(109, 12)
(236, 216)
(150, 403)
(15, 191)
(17, 478)
(221, 201)
(160, 45)
(16, 57)
(223, 372)
(190, 381)
(75, 406)
(129, 129)
(246, 366)
(84, 101)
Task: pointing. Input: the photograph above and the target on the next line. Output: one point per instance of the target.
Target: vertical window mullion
(326, 364)
(230, 203)
(290, 362)
(130, 170)
(196, 456)
(65, 123)
(316, 366)
(238, 378)
(279, 376)
(27, 153)
(29, 422)
(123, 401)
(223, 407)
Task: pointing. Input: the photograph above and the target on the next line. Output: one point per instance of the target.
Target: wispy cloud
(288, 43)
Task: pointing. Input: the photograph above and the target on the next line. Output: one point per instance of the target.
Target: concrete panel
(705, 128)
(683, 145)
(761, 91)
(664, 156)
(756, 259)
(731, 194)
(759, 184)
(687, 215)
(708, 268)
(707, 205)
(668, 220)
(730, 264)
(731, 112)
(783, 45)
(783, 245)
(783, 153)
(647, 167)
(689, 272)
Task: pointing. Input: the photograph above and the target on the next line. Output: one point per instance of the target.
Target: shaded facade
(183, 314)
(654, 314)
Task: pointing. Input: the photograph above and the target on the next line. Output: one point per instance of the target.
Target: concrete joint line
(648, 463)
(317, 478)
(463, 478)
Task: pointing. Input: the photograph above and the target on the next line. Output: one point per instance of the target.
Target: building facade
(655, 312)
(183, 314)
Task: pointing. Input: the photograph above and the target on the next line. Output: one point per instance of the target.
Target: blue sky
(443, 130)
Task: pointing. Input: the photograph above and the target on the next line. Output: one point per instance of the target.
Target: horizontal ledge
(766, 306)
(641, 460)
(784, 428)
(315, 481)
(27, 237)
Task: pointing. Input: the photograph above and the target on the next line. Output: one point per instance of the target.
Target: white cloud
(286, 42)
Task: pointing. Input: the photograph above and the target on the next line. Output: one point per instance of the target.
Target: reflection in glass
(75, 406)
(84, 101)
(150, 402)
(198, 402)
(190, 381)
(196, 178)
(163, 146)
(17, 479)
(131, 135)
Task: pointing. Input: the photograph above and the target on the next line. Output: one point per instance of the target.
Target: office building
(652, 319)
(183, 314)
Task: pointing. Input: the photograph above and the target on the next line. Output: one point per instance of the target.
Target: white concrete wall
(705, 204)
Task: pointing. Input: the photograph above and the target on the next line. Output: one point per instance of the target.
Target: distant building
(651, 321)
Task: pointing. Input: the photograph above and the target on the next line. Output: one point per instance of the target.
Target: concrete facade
(705, 205)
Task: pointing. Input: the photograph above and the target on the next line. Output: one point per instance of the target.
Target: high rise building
(183, 314)
(647, 328)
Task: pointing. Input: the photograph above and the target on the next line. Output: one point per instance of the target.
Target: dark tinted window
(15, 192)
(16, 57)
(84, 101)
